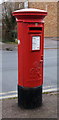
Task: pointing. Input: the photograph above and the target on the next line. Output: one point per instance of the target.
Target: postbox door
(34, 68)
(36, 61)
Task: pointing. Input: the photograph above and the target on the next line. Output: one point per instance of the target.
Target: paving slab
(48, 109)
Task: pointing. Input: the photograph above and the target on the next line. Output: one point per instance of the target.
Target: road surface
(9, 71)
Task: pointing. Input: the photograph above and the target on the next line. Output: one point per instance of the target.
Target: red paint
(30, 62)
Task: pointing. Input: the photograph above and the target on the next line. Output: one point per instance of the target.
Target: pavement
(48, 109)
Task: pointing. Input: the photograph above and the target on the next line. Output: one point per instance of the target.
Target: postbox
(30, 56)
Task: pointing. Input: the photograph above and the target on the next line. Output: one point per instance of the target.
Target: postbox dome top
(29, 14)
(30, 10)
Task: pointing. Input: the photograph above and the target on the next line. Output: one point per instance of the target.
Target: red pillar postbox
(30, 56)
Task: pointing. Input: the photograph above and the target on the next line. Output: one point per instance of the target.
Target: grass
(51, 93)
(9, 42)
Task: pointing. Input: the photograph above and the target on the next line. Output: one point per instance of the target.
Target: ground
(48, 109)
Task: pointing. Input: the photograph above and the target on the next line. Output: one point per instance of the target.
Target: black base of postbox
(29, 97)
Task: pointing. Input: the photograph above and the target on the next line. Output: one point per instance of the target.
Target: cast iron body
(30, 56)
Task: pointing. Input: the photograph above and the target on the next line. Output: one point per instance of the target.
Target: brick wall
(50, 19)
(58, 19)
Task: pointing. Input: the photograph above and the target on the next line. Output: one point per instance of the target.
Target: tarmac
(10, 108)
